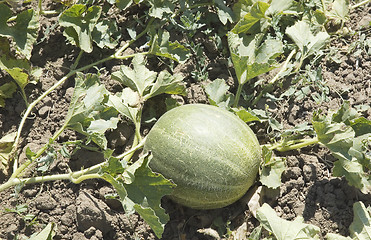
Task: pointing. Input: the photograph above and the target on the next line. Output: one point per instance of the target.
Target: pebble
(45, 202)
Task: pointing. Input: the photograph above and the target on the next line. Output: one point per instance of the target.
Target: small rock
(69, 217)
(91, 212)
(45, 202)
(29, 193)
(90, 232)
(43, 111)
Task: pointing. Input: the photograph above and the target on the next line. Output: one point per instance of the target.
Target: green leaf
(18, 69)
(159, 8)
(6, 146)
(283, 229)
(217, 93)
(271, 170)
(167, 83)
(89, 112)
(106, 34)
(336, 133)
(47, 233)
(123, 4)
(225, 14)
(339, 10)
(25, 30)
(161, 46)
(245, 115)
(361, 225)
(250, 58)
(138, 78)
(279, 6)
(6, 91)
(125, 103)
(254, 21)
(307, 42)
(145, 193)
(80, 22)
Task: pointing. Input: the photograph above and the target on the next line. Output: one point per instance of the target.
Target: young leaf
(6, 145)
(245, 115)
(283, 229)
(271, 170)
(25, 30)
(18, 69)
(89, 112)
(361, 225)
(106, 34)
(138, 78)
(159, 8)
(307, 42)
(6, 91)
(349, 149)
(254, 21)
(217, 93)
(250, 58)
(339, 10)
(225, 14)
(46, 234)
(167, 83)
(161, 46)
(80, 22)
(125, 103)
(145, 193)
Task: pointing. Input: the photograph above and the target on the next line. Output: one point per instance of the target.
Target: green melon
(209, 153)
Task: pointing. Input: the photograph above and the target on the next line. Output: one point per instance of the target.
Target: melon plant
(209, 153)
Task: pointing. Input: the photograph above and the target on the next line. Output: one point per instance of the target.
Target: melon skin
(209, 153)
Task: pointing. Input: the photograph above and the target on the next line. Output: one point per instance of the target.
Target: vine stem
(284, 146)
(238, 94)
(359, 4)
(75, 177)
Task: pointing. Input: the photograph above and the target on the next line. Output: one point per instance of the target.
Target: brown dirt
(82, 212)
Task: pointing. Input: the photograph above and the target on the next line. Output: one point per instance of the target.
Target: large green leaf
(106, 34)
(126, 103)
(139, 78)
(271, 169)
(307, 42)
(160, 8)
(250, 57)
(89, 112)
(162, 46)
(167, 83)
(25, 30)
(18, 69)
(336, 132)
(283, 229)
(217, 93)
(80, 22)
(144, 195)
(254, 21)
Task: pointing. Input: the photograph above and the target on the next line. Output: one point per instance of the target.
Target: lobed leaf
(217, 93)
(106, 34)
(167, 83)
(271, 169)
(254, 21)
(336, 132)
(250, 58)
(25, 30)
(80, 22)
(139, 78)
(307, 42)
(283, 229)
(89, 112)
(162, 46)
(143, 193)
(47, 233)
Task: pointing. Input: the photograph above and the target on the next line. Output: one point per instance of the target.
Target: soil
(82, 212)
